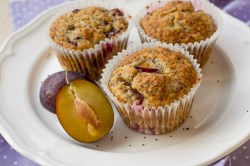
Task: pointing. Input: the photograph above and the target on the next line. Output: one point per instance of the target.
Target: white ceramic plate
(219, 122)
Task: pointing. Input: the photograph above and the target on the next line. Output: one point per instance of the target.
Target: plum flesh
(78, 121)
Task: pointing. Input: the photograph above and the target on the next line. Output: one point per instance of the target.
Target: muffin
(152, 86)
(86, 38)
(180, 22)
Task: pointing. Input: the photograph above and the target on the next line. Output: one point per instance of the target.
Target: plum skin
(53, 83)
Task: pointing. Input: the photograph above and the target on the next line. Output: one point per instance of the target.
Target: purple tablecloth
(25, 10)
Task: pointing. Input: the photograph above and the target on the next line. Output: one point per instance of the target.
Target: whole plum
(53, 83)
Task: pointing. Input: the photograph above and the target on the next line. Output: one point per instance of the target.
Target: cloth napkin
(22, 11)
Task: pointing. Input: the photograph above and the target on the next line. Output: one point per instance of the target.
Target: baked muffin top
(83, 28)
(152, 77)
(178, 22)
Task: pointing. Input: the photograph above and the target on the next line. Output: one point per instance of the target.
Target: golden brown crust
(173, 76)
(82, 29)
(177, 22)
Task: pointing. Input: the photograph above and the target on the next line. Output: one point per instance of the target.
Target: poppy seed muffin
(152, 86)
(178, 22)
(152, 77)
(85, 39)
(83, 28)
(191, 24)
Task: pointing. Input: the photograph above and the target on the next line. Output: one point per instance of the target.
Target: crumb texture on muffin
(178, 22)
(83, 28)
(152, 77)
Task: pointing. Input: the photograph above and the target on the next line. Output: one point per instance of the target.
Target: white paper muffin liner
(90, 61)
(152, 120)
(201, 50)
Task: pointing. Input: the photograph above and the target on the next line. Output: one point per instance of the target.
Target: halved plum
(84, 111)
